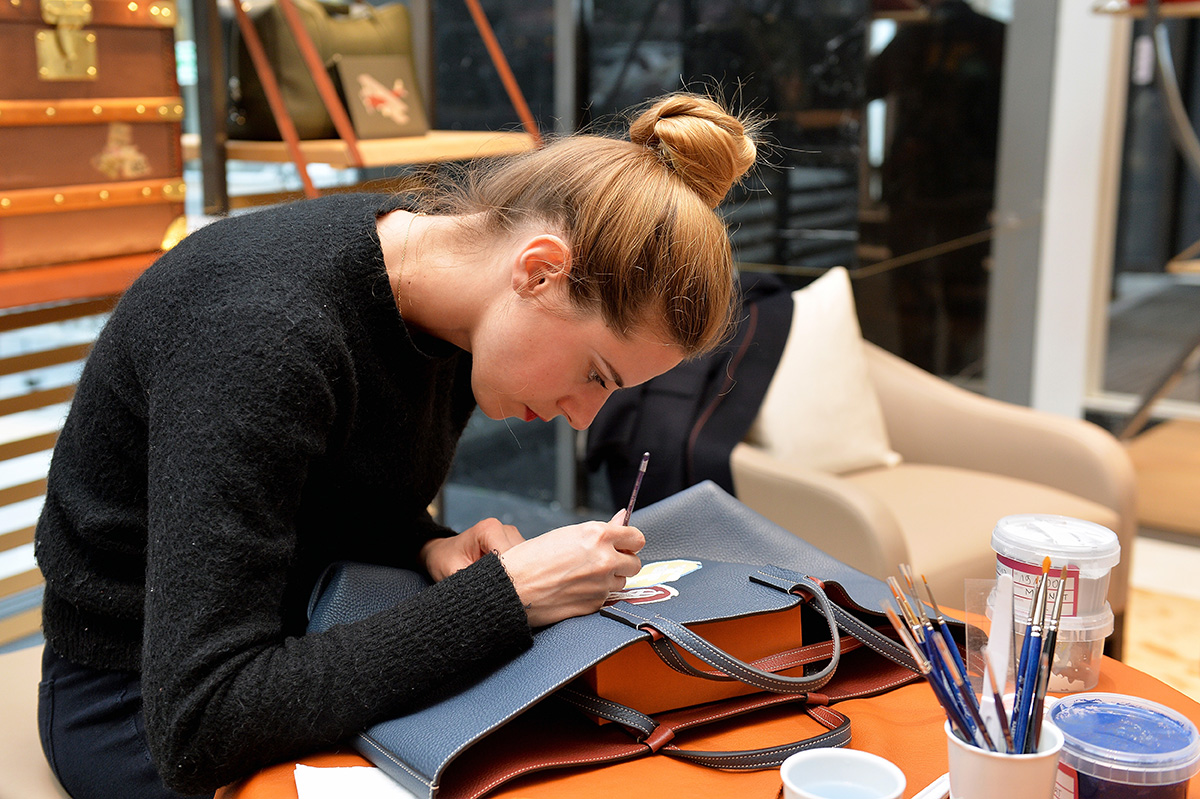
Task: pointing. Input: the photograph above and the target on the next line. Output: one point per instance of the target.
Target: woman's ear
(542, 263)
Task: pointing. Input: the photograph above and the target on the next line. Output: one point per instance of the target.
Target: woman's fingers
(494, 536)
(444, 556)
(570, 571)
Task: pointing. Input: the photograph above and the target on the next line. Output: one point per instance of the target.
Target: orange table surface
(904, 725)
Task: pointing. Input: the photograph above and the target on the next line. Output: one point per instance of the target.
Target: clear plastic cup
(1118, 746)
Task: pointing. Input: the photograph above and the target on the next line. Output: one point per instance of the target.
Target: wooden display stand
(434, 146)
(347, 151)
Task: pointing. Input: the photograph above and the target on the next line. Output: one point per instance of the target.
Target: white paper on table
(361, 782)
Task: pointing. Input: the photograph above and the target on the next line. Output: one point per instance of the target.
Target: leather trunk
(90, 159)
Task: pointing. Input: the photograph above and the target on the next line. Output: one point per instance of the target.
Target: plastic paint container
(1088, 550)
(1123, 747)
(1078, 650)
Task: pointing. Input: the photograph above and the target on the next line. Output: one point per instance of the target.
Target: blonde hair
(646, 244)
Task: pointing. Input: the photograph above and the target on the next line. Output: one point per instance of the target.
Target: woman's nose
(582, 408)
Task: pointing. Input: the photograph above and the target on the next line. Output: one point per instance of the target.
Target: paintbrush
(910, 615)
(926, 668)
(959, 680)
(944, 628)
(1001, 716)
(637, 485)
(937, 657)
(959, 668)
(1050, 640)
(1031, 653)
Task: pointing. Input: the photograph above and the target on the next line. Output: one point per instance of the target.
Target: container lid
(1080, 628)
(1127, 739)
(1092, 627)
(1030, 537)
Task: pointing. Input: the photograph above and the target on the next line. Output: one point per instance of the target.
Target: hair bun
(709, 148)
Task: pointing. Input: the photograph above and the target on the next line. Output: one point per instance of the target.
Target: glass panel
(799, 65)
(1154, 321)
(470, 94)
(933, 89)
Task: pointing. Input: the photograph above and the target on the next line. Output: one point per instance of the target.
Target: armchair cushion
(947, 515)
(820, 410)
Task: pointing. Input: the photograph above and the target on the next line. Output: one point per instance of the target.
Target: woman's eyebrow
(616, 377)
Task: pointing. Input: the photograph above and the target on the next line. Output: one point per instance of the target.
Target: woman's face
(534, 359)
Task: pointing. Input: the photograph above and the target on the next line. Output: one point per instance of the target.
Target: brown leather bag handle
(266, 75)
(328, 94)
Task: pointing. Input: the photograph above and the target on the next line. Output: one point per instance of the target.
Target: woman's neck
(440, 286)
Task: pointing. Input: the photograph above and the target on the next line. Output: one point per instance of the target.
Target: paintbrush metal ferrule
(906, 638)
(907, 572)
(1058, 597)
(902, 601)
(937, 611)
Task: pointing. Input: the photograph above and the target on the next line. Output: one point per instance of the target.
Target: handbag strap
(657, 736)
(728, 666)
(325, 90)
(771, 757)
(794, 583)
(266, 76)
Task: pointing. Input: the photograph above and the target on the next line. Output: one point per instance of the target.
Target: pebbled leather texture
(447, 750)
(704, 521)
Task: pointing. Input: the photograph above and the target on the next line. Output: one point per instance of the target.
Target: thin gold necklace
(404, 257)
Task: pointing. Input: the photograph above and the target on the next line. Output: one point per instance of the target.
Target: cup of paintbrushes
(977, 773)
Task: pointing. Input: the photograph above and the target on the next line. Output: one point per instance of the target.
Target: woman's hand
(570, 571)
(444, 556)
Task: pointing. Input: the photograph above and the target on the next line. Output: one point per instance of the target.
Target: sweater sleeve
(238, 409)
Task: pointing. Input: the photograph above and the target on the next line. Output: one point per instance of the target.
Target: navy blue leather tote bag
(525, 716)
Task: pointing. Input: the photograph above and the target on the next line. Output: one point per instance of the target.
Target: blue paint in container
(1123, 747)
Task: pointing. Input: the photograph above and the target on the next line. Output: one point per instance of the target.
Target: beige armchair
(967, 462)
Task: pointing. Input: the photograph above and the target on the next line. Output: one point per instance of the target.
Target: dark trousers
(93, 734)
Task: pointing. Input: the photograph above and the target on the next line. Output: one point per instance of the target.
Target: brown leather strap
(316, 68)
(266, 75)
(506, 76)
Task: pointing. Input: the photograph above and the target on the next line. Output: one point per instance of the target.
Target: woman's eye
(594, 377)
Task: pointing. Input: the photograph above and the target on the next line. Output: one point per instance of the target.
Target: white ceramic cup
(840, 774)
(979, 774)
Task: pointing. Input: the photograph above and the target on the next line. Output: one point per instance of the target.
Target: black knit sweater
(254, 410)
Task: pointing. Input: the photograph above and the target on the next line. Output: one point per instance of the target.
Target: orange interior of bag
(638, 678)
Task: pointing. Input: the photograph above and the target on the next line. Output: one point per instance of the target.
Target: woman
(285, 389)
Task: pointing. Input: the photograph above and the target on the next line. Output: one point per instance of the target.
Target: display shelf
(435, 146)
(103, 277)
(823, 118)
(1166, 9)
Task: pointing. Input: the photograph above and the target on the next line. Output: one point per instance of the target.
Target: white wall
(1079, 218)
(1060, 146)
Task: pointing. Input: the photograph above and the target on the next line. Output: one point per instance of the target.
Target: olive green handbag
(337, 29)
